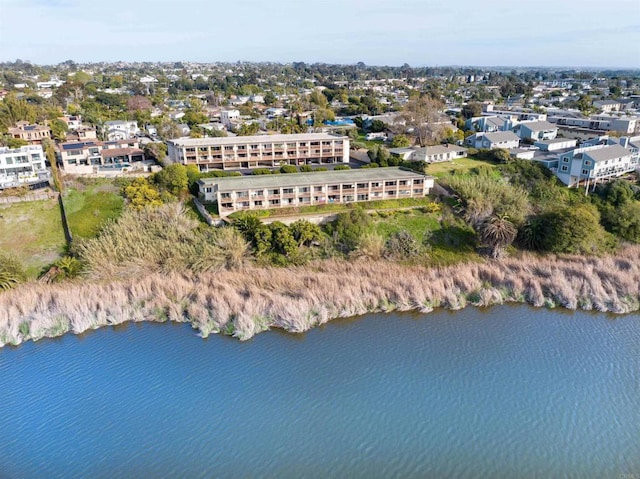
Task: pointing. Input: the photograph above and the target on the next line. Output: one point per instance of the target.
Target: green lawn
(88, 206)
(462, 164)
(369, 143)
(447, 244)
(32, 232)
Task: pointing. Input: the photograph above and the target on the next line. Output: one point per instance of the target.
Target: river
(508, 391)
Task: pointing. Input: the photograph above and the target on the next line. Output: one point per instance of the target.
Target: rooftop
(608, 153)
(232, 183)
(501, 136)
(254, 139)
(539, 125)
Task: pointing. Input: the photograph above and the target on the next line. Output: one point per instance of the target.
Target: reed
(248, 299)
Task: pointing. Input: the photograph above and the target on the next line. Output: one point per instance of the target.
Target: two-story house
(500, 139)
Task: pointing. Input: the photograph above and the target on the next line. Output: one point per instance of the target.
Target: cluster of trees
(278, 243)
(524, 204)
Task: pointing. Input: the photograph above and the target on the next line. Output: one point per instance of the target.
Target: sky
(570, 33)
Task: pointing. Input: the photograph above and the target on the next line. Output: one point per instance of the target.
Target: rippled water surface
(506, 392)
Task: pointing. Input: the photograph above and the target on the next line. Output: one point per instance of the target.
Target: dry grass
(243, 303)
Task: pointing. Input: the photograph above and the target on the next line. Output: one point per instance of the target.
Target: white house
(229, 116)
(120, 130)
(430, 154)
(595, 163)
(21, 165)
(537, 130)
(500, 139)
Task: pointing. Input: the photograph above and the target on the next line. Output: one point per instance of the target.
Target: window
(389, 183)
(565, 160)
(362, 185)
(274, 192)
(287, 191)
(318, 188)
(587, 162)
(585, 172)
(564, 168)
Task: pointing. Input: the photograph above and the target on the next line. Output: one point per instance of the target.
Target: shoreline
(296, 299)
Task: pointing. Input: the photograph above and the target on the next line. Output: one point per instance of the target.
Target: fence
(28, 197)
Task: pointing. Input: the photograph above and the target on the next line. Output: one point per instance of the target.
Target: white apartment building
(21, 165)
(263, 151)
(314, 188)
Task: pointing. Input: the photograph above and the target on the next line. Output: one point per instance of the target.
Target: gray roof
(439, 149)
(255, 139)
(499, 136)
(286, 180)
(539, 125)
(607, 153)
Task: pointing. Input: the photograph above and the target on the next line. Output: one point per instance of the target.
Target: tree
(173, 179)
(424, 115)
(497, 232)
(570, 229)
(248, 129)
(59, 129)
(400, 141)
(138, 103)
(585, 104)
(318, 98)
(156, 150)
(305, 233)
(282, 239)
(142, 194)
(471, 110)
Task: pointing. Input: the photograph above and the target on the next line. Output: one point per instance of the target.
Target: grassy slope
(32, 231)
(87, 210)
(462, 164)
(426, 226)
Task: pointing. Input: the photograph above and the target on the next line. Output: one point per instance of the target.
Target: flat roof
(285, 180)
(255, 139)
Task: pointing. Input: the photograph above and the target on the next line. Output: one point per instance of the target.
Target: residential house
(430, 154)
(607, 106)
(95, 157)
(263, 151)
(500, 139)
(120, 130)
(228, 117)
(555, 144)
(594, 164)
(32, 134)
(305, 189)
(537, 130)
(22, 166)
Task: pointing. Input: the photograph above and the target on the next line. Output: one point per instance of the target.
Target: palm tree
(497, 232)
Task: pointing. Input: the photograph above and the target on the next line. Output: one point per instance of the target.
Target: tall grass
(243, 303)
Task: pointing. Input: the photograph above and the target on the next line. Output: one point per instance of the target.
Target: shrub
(342, 167)
(262, 171)
(11, 271)
(402, 245)
(288, 169)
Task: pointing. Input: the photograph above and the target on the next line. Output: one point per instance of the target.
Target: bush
(11, 271)
(342, 167)
(288, 169)
(402, 245)
(262, 171)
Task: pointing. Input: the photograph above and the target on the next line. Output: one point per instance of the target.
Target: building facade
(32, 134)
(595, 164)
(120, 130)
(91, 157)
(266, 151)
(21, 165)
(499, 139)
(304, 189)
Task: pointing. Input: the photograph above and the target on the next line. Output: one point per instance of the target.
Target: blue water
(507, 392)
